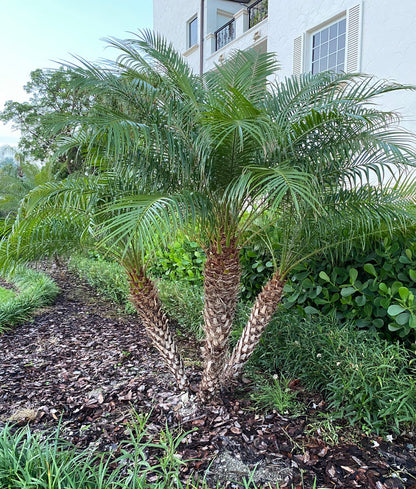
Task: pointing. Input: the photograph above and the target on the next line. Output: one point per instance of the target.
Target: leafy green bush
(375, 289)
(366, 379)
(182, 260)
(35, 290)
(256, 269)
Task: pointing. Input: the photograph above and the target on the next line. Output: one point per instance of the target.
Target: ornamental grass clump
(34, 290)
(366, 380)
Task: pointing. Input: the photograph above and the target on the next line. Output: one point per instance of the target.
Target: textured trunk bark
(221, 287)
(145, 298)
(260, 316)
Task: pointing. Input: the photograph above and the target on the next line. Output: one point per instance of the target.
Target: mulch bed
(83, 363)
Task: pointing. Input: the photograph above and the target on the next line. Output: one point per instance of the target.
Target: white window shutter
(353, 53)
(298, 44)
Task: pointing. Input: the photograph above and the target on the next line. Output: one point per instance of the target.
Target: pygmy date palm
(311, 151)
(213, 155)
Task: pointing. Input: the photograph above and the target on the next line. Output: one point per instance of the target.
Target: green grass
(35, 290)
(5, 295)
(365, 379)
(275, 394)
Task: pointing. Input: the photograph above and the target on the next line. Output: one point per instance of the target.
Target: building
(369, 36)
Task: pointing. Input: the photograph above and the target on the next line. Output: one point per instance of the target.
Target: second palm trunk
(221, 287)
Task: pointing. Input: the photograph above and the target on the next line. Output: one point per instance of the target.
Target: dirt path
(84, 361)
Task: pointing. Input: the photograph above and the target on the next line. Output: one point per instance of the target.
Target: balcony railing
(225, 34)
(257, 12)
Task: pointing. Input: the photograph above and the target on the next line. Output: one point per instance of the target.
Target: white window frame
(322, 27)
(302, 45)
(188, 32)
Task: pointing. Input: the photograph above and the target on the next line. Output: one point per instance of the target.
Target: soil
(84, 364)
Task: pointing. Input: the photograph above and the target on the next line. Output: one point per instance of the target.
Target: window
(328, 48)
(333, 45)
(193, 32)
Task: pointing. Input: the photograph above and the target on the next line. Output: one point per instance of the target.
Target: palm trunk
(221, 286)
(145, 297)
(261, 314)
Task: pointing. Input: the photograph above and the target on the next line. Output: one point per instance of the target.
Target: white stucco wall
(388, 36)
(170, 19)
(388, 40)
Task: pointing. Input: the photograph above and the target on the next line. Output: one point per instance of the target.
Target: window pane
(332, 61)
(324, 35)
(315, 54)
(324, 50)
(315, 68)
(341, 42)
(341, 56)
(332, 46)
(342, 26)
(193, 32)
(317, 39)
(333, 31)
(323, 64)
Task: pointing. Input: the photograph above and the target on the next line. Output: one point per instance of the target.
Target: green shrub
(35, 290)
(375, 289)
(183, 260)
(256, 269)
(108, 278)
(366, 379)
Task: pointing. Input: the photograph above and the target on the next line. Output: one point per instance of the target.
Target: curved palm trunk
(145, 297)
(221, 286)
(261, 314)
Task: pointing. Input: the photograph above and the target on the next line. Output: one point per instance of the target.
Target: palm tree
(211, 155)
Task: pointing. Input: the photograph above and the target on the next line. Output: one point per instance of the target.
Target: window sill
(191, 50)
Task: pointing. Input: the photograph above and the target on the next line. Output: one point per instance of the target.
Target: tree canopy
(51, 93)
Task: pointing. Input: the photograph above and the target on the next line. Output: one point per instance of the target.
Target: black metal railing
(257, 12)
(224, 34)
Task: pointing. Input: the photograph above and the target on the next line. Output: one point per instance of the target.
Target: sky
(39, 33)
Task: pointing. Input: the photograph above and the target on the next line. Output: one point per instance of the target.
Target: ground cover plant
(33, 290)
(366, 379)
(5, 294)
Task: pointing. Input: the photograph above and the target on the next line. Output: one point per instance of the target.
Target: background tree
(51, 93)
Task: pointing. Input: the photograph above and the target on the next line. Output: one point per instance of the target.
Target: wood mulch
(84, 364)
